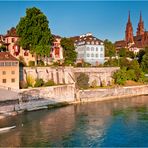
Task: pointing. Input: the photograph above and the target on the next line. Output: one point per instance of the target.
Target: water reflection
(93, 124)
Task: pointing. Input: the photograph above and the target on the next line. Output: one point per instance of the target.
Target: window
(88, 42)
(87, 48)
(13, 40)
(101, 55)
(96, 48)
(101, 48)
(92, 48)
(12, 72)
(97, 42)
(4, 80)
(7, 63)
(92, 42)
(96, 55)
(4, 72)
(92, 55)
(12, 80)
(1, 63)
(14, 63)
(88, 55)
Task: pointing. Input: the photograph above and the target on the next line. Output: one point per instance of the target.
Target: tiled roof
(6, 56)
(120, 44)
(86, 39)
(11, 33)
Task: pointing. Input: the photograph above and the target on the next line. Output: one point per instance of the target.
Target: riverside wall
(40, 98)
(111, 93)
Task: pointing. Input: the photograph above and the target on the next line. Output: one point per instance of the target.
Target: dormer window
(13, 40)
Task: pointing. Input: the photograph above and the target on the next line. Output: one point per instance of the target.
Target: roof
(11, 33)
(120, 44)
(6, 56)
(86, 39)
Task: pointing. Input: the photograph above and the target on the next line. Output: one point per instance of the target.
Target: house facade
(89, 48)
(9, 71)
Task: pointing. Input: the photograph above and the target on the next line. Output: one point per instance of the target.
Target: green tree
(144, 63)
(109, 49)
(2, 48)
(140, 55)
(34, 32)
(70, 54)
(130, 54)
(122, 52)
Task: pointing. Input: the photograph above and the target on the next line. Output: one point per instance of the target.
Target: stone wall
(67, 75)
(107, 94)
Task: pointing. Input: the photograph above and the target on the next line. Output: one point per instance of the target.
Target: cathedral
(131, 42)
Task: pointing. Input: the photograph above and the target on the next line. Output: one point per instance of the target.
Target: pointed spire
(129, 19)
(140, 16)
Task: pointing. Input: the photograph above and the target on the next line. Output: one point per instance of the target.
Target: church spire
(129, 31)
(140, 29)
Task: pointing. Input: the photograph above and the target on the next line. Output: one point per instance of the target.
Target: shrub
(49, 83)
(30, 80)
(22, 61)
(94, 84)
(23, 85)
(39, 83)
(41, 63)
(82, 81)
(120, 76)
(131, 75)
(31, 63)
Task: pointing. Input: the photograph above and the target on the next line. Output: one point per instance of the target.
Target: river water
(116, 123)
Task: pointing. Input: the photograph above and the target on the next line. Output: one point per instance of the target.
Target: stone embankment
(41, 98)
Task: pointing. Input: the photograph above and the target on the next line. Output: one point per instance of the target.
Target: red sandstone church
(131, 42)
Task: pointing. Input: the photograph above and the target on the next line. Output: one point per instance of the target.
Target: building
(131, 42)
(56, 50)
(89, 48)
(11, 39)
(9, 71)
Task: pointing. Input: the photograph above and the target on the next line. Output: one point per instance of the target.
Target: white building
(89, 48)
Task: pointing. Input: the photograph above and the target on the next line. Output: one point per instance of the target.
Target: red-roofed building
(9, 71)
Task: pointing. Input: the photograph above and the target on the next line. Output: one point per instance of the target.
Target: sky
(104, 19)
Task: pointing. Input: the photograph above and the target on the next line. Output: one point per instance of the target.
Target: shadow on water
(120, 122)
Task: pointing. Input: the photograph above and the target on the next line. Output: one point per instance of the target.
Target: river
(116, 123)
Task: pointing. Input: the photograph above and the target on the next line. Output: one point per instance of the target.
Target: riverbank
(58, 96)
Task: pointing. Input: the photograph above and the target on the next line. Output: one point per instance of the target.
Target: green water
(114, 123)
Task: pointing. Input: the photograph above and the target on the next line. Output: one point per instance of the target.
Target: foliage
(49, 83)
(2, 48)
(39, 82)
(82, 81)
(130, 75)
(69, 52)
(34, 32)
(109, 49)
(94, 83)
(144, 63)
(22, 61)
(140, 55)
(30, 80)
(122, 52)
(31, 63)
(130, 54)
(23, 85)
(120, 76)
(41, 63)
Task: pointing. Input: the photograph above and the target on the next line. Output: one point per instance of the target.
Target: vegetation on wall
(82, 81)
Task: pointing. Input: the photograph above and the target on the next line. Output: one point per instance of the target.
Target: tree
(34, 32)
(2, 48)
(140, 55)
(122, 52)
(109, 49)
(130, 54)
(69, 52)
(144, 63)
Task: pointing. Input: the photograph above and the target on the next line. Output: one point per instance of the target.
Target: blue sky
(105, 19)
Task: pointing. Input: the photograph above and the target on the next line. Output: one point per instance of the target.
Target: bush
(23, 85)
(94, 84)
(30, 80)
(31, 63)
(39, 83)
(41, 63)
(49, 83)
(120, 76)
(82, 81)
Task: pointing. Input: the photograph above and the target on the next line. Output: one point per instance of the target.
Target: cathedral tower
(129, 31)
(140, 29)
